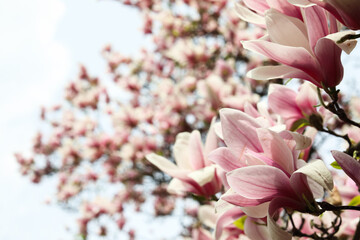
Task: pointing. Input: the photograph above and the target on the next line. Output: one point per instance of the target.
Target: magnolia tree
(196, 117)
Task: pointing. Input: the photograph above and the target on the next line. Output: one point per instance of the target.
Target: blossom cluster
(271, 186)
(204, 116)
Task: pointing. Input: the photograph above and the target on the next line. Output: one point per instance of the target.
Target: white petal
(204, 175)
(318, 172)
(222, 206)
(273, 72)
(176, 187)
(181, 150)
(249, 16)
(162, 163)
(348, 45)
(316, 189)
(301, 3)
(207, 216)
(277, 232)
(302, 142)
(218, 130)
(286, 30)
(258, 211)
(211, 140)
(278, 128)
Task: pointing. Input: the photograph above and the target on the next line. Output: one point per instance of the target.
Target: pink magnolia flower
(306, 50)
(346, 11)
(280, 181)
(264, 172)
(251, 150)
(194, 172)
(278, 174)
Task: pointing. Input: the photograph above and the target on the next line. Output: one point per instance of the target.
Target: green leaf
(355, 201)
(239, 223)
(335, 165)
(299, 124)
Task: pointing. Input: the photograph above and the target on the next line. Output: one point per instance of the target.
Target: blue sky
(42, 43)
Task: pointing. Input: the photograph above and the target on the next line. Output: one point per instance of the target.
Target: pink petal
(259, 6)
(217, 182)
(259, 182)
(350, 165)
(301, 187)
(250, 110)
(286, 30)
(251, 158)
(286, 8)
(241, 201)
(333, 24)
(296, 142)
(316, 23)
(347, 12)
(276, 149)
(256, 229)
(201, 234)
(225, 159)
(307, 98)
(239, 131)
(282, 100)
(280, 71)
(328, 55)
(322, 4)
(249, 16)
(296, 57)
(226, 219)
